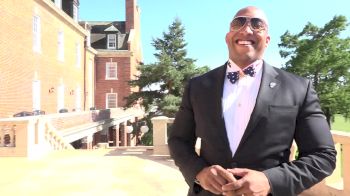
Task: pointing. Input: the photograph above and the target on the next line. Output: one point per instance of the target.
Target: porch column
(117, 142)
(123, 135)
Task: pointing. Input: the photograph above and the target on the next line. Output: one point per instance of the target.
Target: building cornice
(109, 53)
(92, 50)
(62, 15)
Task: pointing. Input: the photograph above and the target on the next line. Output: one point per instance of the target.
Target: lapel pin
(272, 84)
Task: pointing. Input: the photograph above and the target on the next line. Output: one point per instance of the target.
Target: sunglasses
(255, 24)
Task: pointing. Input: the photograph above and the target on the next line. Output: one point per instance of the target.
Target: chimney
(130, 10)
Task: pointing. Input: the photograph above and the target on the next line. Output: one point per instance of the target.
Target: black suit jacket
(285, 111)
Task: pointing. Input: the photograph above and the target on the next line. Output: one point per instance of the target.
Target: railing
(29, 137)
(338, 184)
(34, 136)
(55, 140)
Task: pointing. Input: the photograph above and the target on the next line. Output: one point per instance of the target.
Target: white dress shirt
(238, 102)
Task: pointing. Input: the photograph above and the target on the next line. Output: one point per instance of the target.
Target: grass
(341, 124)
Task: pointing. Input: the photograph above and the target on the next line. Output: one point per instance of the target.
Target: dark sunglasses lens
(238, 23)
(257, 24)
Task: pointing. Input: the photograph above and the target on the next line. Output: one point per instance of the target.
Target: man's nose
(247, 28)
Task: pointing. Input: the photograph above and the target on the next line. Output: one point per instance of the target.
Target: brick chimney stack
(130, 11)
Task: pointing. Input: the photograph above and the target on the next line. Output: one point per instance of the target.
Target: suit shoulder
(288, 76)
(212, 74)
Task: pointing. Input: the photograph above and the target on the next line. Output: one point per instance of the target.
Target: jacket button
(234, 164)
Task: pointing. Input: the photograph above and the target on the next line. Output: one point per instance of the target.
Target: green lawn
(341, 124)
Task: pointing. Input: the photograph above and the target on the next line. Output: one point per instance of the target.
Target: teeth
(245, 42)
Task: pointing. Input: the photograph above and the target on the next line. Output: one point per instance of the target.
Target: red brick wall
(119, 86)
(19, 65)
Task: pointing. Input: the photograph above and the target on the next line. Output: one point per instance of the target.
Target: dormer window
(75, 13)
(111, 41)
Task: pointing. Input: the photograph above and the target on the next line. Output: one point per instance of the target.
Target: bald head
(248, 36)
(252, 11)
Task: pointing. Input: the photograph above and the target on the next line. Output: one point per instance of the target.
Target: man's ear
(227, 38)
(267, 41)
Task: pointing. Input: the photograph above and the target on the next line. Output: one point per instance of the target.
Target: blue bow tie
(233, 76)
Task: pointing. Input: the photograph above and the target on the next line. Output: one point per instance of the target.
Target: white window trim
(36, 34)
(107, 100)
(78, 99)
(75, 13)
(60, 46)
(112, 36)
(78, 54)
(108, 64)
(60, 97)
(36, 90)
(58, 3)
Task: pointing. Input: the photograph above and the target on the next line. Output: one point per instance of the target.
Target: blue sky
(206, 22)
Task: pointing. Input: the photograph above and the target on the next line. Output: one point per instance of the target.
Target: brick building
(118, 46)
(45, 65)
(48, 65)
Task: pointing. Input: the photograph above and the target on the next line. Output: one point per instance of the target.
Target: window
(111, 41)
(36, 34)
(75, 13)
(36, 95)
(111, 100)
(60, 43)
(60, 97)
(58, 3)
(78, 54)
(78, 99)
(111, 71)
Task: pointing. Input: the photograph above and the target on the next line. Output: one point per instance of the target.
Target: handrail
(55, 139)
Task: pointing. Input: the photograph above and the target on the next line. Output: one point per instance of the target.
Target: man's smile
(245, 42)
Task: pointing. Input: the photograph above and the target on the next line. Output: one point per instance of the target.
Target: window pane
(78, 54)
(111, 70)
(111, 100)
(111, 41)
(36, 95)
(36, 34)
(60, 46)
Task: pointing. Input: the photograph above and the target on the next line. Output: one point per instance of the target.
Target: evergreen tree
(162, 83)
(321, 55)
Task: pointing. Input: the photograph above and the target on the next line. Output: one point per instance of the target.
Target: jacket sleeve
(317, 155)
(182, 139)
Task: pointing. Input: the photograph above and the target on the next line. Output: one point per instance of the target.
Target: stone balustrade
(337, 184)
(35, 136)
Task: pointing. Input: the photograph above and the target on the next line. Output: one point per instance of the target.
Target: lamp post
(144, 128)
(129, 129)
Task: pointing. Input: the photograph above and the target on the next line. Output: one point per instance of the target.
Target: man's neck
(243, 65)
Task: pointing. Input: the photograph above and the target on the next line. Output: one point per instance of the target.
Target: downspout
(85, 93)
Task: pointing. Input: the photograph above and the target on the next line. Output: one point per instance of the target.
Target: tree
(162, 83)
(321, 55)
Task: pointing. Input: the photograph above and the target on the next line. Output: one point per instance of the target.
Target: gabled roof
(100, 29)
(111, 29)
(107, 26)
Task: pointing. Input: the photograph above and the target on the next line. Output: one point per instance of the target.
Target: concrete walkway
(117, 172)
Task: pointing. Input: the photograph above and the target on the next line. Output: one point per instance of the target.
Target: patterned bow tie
(233, 76)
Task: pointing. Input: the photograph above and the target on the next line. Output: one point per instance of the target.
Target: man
(247, 114)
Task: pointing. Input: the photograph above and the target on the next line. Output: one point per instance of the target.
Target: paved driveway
(117, 172)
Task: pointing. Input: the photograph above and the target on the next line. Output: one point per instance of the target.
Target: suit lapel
(268, 88)
(217, 81)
